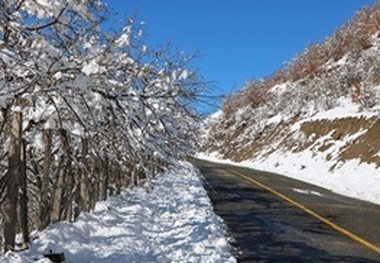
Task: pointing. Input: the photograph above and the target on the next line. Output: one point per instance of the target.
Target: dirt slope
(336, 140)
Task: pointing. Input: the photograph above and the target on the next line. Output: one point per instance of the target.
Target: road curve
(269, 217)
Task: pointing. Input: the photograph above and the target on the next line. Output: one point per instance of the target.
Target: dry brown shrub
(279, 77)
(230, 105)
(257, 97)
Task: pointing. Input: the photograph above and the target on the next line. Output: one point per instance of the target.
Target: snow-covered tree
(95, 111)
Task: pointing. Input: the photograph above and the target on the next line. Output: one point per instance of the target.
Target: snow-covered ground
(173, 223)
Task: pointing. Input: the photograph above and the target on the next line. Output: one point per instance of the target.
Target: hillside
(317, 119)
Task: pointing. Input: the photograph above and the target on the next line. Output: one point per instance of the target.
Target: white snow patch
(280, 89)
(58, 75)
(307, 192)
(215, 116)
(92, 68)
(184, 74)
(50, 124)
(124, 40)
(17, 109)
(345, 108)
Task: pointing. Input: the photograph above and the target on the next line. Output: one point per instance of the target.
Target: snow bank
(173, 223)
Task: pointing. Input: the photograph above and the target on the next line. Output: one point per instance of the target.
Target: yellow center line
(310, 212)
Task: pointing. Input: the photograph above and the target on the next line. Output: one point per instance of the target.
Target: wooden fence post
(23, 198)
(45, 204)
(10, 201)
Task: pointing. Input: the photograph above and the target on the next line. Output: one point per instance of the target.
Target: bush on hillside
(317, 77)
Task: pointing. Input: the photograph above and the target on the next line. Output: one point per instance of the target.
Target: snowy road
(268, 228)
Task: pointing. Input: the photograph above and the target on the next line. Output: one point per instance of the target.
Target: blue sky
(242, 39)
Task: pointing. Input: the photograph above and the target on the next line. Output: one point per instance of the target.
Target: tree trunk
(84, 200)
(111, 178)
(56, 213)
(94, 192)
(103, 182)
(93, 195)
(23, 198)
(10, 201)
(119, 182)
(69, 185)
(133, 181)
(77, 201)
(45, 205)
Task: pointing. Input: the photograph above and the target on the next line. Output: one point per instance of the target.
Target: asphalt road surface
(277, 219)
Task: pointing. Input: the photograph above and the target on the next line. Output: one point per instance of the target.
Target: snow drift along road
(173, 223)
